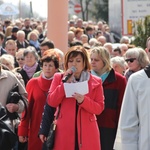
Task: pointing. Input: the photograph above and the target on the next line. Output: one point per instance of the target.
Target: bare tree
(85, 9)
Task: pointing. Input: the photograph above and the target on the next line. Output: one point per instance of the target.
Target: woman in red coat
(37, 89)
(76, 125)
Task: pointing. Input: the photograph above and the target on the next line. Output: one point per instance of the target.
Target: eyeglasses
(131, 60)
(20, 59)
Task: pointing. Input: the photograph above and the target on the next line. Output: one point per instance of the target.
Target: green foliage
(101, 10)
(141, 31)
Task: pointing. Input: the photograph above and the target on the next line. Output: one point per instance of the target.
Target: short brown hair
(73, 52)
(50, 55)
(78, 30)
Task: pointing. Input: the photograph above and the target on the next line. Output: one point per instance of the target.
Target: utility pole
(20, 12)
(31, 11)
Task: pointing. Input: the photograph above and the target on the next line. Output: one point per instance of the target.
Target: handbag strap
(59, 106)
(57, 115)
(3, 117)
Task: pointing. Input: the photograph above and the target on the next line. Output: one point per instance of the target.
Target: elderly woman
(7, 82)
(33, 37)
(8, 63)
(37, 89)
(113, 85)
(119, 65)
(136, 59)
(77, 112)
(31, 64)
(19, 57)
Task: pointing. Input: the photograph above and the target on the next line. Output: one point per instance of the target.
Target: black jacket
(19, 45)
(25, 76)
(47, 119)
(3, 51)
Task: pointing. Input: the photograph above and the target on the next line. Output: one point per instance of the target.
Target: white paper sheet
(79, 87)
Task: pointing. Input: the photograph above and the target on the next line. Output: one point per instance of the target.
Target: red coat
(37, 89)
(88, 132)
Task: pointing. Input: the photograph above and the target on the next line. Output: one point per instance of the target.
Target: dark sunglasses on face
(131, 60)
(20, 59)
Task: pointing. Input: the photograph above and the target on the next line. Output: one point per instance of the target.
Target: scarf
(84, 76)
(128, 73)
(103, 76)
(35, 43)
(30, 70)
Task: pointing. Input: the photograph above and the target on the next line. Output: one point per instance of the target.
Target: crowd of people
(109, 116)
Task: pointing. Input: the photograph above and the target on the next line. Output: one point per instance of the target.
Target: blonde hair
(9, 59)
(10, 42)
(104, 56)
(8, 31)
(20, 51)
(35, 32)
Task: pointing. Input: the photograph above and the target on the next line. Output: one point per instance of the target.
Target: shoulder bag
(51, 135)
(8, 138)
(13, 97)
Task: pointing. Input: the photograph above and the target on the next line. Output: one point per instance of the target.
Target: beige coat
(7, 81)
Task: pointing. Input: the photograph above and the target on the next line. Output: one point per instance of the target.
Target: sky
(39, 6)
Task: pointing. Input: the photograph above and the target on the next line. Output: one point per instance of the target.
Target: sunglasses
(131, 60)
(20, 59)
